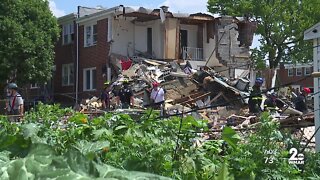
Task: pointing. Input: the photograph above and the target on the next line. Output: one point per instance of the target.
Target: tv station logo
(296, 158)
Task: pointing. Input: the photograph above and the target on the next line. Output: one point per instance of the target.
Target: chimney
(165, 8)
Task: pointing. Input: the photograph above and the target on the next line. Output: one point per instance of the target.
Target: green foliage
(68, 148)
(43, 163)
(264, 155)
(28, 32)
(281, 25)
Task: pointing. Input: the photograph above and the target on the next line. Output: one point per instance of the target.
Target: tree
(28, 32)
(281, 25)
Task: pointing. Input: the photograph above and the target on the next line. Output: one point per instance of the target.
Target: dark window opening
(149, 41)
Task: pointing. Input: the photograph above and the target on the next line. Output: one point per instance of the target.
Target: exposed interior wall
(140, 37)
(123, 36)
(192, 34)
(208, 48)
(130, 38)
(171, 25)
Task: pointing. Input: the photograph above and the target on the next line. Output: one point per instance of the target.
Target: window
(307, 71)
(67, 74)
(299, 72)
(89, 79)
(34, 86)
(90, 35)
(68, 33)
(290, 72)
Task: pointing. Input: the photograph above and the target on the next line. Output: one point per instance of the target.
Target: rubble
(220, 100)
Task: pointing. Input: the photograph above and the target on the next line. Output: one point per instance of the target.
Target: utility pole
(313, 34)
(316, 84)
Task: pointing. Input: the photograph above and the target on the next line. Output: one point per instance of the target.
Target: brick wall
(64, 54)
(284, 78)
(94, 56)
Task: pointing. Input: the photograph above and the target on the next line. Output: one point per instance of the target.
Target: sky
(63, 7)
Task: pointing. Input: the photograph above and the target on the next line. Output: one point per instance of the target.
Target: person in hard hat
(14, 103)
(300, 101)
(105, 95)
(255, 99)
(125, 98)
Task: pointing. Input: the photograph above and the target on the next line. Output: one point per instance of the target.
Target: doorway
(183, 41)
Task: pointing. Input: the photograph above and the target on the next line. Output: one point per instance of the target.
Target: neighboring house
(65, 60)
(106, 36)
(299, 74)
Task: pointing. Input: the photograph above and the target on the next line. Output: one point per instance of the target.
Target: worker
(125, 98)
(273, 103)
(300, 101)
(157, 95)
(14, 103)
(255, 98)
(105, 95)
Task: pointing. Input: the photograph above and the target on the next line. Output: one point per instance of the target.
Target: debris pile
(219, 99)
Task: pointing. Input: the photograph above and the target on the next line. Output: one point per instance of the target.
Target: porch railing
(191, 53)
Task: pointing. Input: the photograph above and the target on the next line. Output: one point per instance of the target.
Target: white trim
(34, 86)
(286, 66)
(110, 26)
(299, 68)
(313, 32)
(68, 74)
(91, 88)
(292, 72)
(305, 71)
(316, 83)
(67, 18)
(99, 15)
(91, 40)
(68, 30)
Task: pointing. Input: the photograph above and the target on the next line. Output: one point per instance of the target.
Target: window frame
(305, 71)
(34, 86)
(67, 33)
(90, 35)
(301, 69)
(290, 69)
(92, 84)
(68, 74)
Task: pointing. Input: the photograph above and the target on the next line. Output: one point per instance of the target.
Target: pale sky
(64, 7)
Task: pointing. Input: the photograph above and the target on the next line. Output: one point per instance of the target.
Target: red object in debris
(307, 90)
(125, 64)
(155, 84)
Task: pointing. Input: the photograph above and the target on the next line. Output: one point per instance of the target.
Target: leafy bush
(52, 141)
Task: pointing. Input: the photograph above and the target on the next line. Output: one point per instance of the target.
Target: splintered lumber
(216, 97)
(183, 99)
(196, 98)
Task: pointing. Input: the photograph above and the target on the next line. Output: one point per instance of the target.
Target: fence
(191, 53)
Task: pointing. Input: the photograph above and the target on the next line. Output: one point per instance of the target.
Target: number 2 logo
(295, 156)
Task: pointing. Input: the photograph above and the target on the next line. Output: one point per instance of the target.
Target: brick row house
(297, 73)
(93, 42)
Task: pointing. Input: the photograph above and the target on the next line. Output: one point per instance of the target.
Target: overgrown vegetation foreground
(59, 143)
